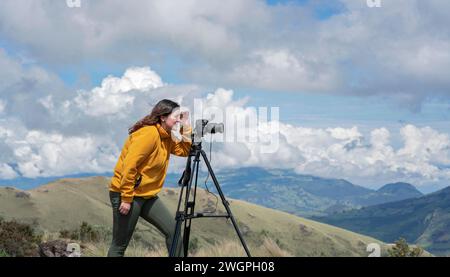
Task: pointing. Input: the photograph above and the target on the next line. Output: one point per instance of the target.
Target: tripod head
(202, 127)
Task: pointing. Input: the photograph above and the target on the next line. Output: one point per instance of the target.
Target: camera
(203, 127)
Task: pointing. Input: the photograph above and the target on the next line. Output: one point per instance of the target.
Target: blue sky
(326, 64)
(321, 9)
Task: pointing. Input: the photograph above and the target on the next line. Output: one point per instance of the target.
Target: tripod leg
(179, 218)
(190, 205)
(225, 202)
(180, 215)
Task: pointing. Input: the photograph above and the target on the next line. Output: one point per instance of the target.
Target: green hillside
(66, 203)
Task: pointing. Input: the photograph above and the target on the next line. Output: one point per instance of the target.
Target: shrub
(3, 253)
(88, 233)
(85, 233)
(402, 249)
(18, 239)
(193, 244)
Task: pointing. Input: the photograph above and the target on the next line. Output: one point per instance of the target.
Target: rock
(245, 229)
(304, 230)
(59, 248)
(23, 194)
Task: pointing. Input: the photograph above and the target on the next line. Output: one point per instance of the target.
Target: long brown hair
(162, 108)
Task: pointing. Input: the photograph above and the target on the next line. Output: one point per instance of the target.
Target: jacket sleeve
(142, 143)
(183, 147)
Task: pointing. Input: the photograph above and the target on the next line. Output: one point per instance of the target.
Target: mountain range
(302, 195)
(424, 221)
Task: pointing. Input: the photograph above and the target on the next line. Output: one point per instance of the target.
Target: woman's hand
(184, 118)
(124, 208)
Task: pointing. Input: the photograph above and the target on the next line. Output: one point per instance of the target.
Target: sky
(363, 92)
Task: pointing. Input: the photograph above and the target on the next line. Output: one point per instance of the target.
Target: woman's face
(172, 119)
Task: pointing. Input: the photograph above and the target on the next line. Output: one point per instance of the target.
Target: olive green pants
(153, 211)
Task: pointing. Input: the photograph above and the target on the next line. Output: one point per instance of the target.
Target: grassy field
(66, 203)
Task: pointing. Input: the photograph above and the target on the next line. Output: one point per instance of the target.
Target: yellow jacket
(145, 158)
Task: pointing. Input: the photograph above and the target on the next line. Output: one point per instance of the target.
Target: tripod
(187, 214)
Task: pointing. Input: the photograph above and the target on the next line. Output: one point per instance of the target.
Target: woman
(140, 172)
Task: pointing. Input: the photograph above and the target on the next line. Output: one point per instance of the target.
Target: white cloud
(14, 73)
(371, 160)
(110, 29)
(280, 69)
(378, 161)
(27, 91)
(2, 105)
(398, 51)
(45, 133)
(48, 131)
(116, 94)
(47, 102)
(7, 172)
(425, 145)
(40, 154)
(345, 134)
